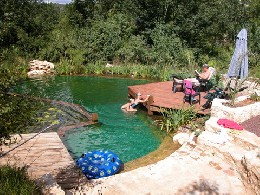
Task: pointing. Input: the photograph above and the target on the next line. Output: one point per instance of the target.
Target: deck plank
(163, 96)
(44, 154)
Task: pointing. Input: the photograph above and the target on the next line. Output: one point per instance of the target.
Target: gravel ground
(252, 125)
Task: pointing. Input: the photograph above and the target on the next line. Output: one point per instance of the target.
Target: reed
(173, 119)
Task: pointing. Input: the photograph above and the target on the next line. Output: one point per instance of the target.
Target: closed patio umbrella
(239, 62)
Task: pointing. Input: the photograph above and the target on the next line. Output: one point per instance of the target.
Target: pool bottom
(128, 143)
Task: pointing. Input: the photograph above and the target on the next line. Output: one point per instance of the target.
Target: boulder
(38, 67)
(50, 185)
(181, 138)
(108, 65)
(36, 72)
(210, 138)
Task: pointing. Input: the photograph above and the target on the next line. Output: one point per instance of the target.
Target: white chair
(205, 82)
(177, 82)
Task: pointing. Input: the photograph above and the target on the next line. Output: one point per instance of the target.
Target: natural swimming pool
(130, 135)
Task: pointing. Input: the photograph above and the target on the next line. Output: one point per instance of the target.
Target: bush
(134, 50)
(16, 181)
(16, 112)
(106, 37)
(166, 44)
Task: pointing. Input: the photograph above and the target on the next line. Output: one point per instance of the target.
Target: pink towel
(229, 124)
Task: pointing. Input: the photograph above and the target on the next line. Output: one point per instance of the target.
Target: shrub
(16, 181)
(166, 44)
(133, 50)
(16, 112)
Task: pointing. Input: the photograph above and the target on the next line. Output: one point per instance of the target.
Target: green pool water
(130, 135)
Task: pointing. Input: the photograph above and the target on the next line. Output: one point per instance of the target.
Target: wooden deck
(162, 96)
(42, 155)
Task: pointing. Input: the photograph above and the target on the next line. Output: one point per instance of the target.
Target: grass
(15, 181)
(153, 72)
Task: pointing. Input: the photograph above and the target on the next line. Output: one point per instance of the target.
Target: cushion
(178, 81)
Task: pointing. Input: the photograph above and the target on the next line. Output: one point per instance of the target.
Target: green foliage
(106, 37)
(173, 119)
(146, 39)
(173, 32)
(183, 74)
(26, 24)
(16, 114)
(167, 47)
(12, 69)
(154, 72)
(234, 86)
(215, 81)
(255, 97)
(134, 50)
(16, 181)
(255, 71)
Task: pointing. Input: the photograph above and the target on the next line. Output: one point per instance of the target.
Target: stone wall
(238, 114)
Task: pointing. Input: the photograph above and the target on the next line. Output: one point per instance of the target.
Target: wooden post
(149, 102)
(94, 117)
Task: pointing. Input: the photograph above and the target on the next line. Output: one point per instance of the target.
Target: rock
(181, 138)
(36, 72)
(250, 86)
(209, 138)
(256, 91)
(38, 67)
(109, 65)
(50, 185)
(250, 175)
(211, 125)
(238, 114)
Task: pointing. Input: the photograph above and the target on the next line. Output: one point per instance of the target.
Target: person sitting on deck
(131, 106)
(201, 76)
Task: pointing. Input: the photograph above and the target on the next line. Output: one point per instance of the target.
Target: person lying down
(131, 106)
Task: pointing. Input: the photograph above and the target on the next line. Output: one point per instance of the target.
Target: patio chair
(191, 91)
(205, 83)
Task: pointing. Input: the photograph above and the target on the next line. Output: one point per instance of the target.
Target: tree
(25, 23)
